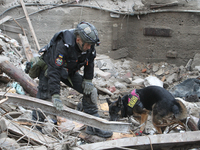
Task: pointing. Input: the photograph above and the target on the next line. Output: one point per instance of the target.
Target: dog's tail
(179, 110)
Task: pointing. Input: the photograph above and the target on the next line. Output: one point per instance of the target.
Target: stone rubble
(112, 78)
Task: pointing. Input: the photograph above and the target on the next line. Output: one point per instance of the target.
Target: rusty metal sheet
(187, 140)
(34, 103)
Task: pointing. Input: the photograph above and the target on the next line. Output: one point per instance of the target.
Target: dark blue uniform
(63, 52)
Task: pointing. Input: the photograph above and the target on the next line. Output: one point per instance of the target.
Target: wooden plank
(5, 19)
(13, 72)
(187, 140)
(13, 29)
(30, 24)
(26, 46)
(151, 31)
(47, 107)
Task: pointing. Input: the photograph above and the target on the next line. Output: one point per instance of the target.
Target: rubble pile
(112, 78)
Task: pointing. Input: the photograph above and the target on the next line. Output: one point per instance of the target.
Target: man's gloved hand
(87, 86)
(29, 65)
(57, 102)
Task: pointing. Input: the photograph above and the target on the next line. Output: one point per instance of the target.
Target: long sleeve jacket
(63, 52)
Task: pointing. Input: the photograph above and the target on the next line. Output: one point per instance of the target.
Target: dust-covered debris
(113, 78)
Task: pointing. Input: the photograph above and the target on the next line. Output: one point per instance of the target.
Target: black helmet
(88, 33)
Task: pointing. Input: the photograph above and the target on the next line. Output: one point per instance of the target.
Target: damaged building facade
(143, 42)
(147, 31)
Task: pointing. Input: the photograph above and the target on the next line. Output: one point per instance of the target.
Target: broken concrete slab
(138, 81)
(120, 53)
(152, 80)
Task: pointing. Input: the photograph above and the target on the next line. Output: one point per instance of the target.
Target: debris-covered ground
(113, 78)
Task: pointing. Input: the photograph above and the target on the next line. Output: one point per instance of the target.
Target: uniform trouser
(89, 106)
(44, 94)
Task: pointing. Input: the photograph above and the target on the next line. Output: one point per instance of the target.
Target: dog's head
(115, 109)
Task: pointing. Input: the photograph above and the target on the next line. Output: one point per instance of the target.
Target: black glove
(28, 67)
(87, 86)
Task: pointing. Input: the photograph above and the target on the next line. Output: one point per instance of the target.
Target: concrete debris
(113, 78)
(152, 80)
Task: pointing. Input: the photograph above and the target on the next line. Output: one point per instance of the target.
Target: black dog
(152, 98)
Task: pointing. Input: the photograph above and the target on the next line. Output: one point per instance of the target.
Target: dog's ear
(108, 101)
(119, 102)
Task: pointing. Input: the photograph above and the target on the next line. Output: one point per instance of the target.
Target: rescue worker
(67, 52)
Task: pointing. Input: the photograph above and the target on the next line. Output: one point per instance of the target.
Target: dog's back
(154, 94)
(164, 101)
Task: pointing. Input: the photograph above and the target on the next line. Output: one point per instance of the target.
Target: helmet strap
(81, 46)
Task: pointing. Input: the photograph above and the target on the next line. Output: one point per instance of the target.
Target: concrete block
(172, 78)
(152, 80)
(138, 81)
(105, 75)
(100, 63)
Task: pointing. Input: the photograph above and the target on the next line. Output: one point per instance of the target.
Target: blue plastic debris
(19, 89)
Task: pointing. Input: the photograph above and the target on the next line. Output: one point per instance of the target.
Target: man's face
(83, 46)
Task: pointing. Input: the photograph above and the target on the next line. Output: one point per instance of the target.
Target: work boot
(38, 116)
(98, 132)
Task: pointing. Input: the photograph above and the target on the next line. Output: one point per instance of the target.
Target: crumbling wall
(121, 35)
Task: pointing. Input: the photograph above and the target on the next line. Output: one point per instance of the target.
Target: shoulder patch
(59, 60)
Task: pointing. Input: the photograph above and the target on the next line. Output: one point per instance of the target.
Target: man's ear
(78, 38)
(108, 101)
(119, 102)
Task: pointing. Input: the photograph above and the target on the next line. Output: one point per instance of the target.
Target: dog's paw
(138, 133)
